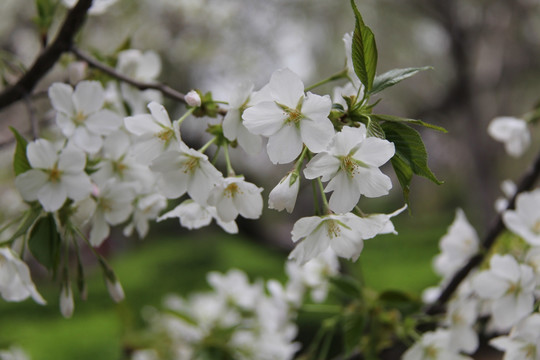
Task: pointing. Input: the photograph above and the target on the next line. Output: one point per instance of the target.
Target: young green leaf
(20, 161)
(392, 77)
(410, 156)
(391, 118)
(44, 242)
(354, 323)
(364, 51)
(374, 128)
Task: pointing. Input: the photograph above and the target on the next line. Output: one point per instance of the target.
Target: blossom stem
(184, 117)
(230, 171)
(323, 196)
(340, 75)
(300, 160)
(205, 146)
(321, 308)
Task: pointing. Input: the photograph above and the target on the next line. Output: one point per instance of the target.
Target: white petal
(305, 226)
(316, 134)
(345, 194)
(100, 230)
(249, 142)
(41, 154)
(103, 122)
(226, 210)
(160, 114)
(88, 97)
(52, 196)
(65, 123)
(87, 141)
(372, 182)
(61, 98)
(265, 118)
(489, 286)
(142, 124)
(30, 182)
(286, 87)
(149, 66)
(285, 145)
(374, 151)
(250, 204)
(231, 123)
(322, 164)
(77, 186)
(72, 160)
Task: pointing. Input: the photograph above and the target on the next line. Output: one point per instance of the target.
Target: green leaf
(392, 77)
(347, 285)
(364, 51)
(20, 161)
(398, 119)
(44, 242)
(410, 156)
(374, 128)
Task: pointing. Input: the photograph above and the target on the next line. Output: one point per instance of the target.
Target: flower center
(231, 190)
(294, 117)
(333, 229)
(431, 352)
(79, 118)
(119, 167)
(191, 164)
(54, 174)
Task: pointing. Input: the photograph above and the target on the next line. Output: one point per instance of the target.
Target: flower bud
(115, 290)
(66, 301)
(193, 98)
(283, 196)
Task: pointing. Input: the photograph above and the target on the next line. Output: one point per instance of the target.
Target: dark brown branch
(166, 90)
(62, 43)
(526, 183)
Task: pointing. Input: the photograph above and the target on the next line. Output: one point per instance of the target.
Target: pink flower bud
(193, 98)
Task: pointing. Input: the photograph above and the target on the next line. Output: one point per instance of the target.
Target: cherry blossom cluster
(505, 291)
(249, 321)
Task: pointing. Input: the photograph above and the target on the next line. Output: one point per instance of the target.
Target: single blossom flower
(241, 98)
(143, 67)
(147, 207)
(80, 114)
(233, 196)
(283, 196)
(523, 342)
(15, 281)
(55, 176)
(186, 170)
(434, 345)
(291, 119)
(457, 246)
(155, 133)
(510, 286)
(513, 132)
(351, 166)
(67, 305)
(193, 215)
(525, 219)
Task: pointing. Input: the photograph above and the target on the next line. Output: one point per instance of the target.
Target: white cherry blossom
(510, 286)
(147, 207)
(55, 176)
(15, 281)
(154, 133)
(283, 195)
(193, 215)
(434, 345)
(342, 233)
(291, 119)
(186, 170)
(241, 98)
(525, 219)
(351, 165)
(233, 195)
(457, 246)
(513, 132)
(80, 114)
(67, 305)
(523, 342)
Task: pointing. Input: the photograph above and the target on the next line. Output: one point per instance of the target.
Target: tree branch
(166, 90)
(526, 183)
(62, 43)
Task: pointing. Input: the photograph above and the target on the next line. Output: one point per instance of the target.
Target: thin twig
(62, 43)
(166, 90)
(526, 183)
